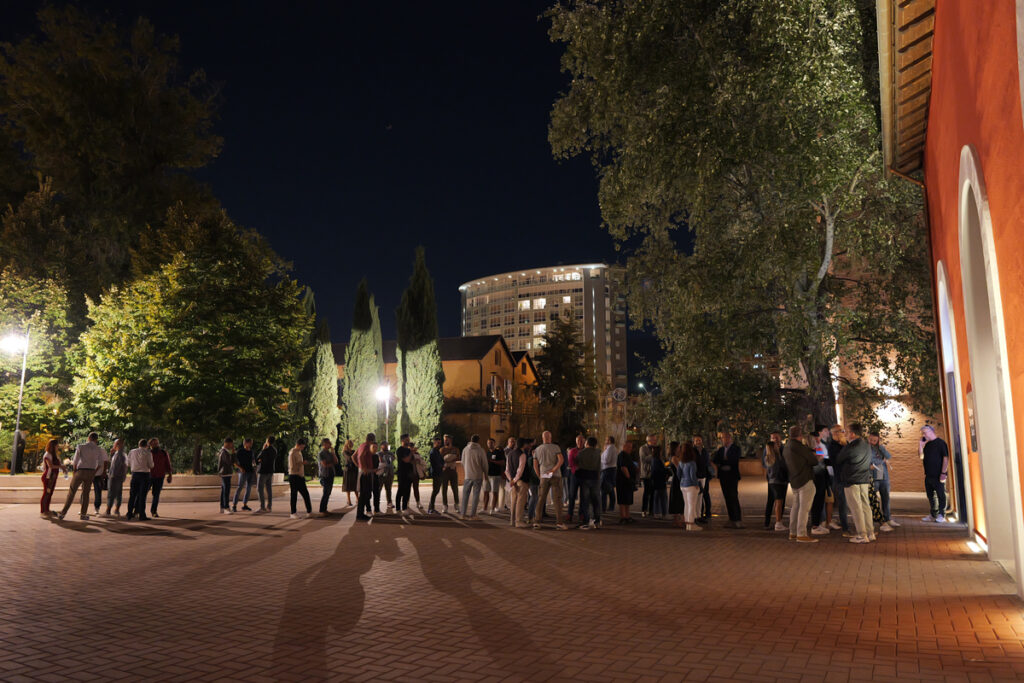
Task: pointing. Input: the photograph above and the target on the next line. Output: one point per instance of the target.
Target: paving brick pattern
(197, 596)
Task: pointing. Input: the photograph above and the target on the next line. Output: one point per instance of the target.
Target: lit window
(539, 304)
(524, 305)
(540, 329)
(538, 342)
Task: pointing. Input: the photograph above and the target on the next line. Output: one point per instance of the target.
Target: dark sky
(355, 131)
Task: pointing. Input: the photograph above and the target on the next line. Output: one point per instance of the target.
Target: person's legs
(557, 489)
(769, 507)
(574, 492)
(519, 509)
(841, 506)
(608, 489)
(690, 495)
(377, 483)
(326, 486)
(76, 481)
(414, 484)
(133, 494)
(156, 485)
(930, 490)
(386, 481)
(225, 492)
(860, 509)
(466, 486)
(940, 492)
(304, 491)
(452, 477)
(265, 489)
(513, 499)
(730, 491)
(238, 489)
(803, 498)
(435, 488)
(476, 497)
(293, 485)
(660, 505)
(705, 498)
(49, 484)
(87, 479)
(883, 493)
(365, 494)
(97, 493)
(402, 495)
(820, 491)
(542, 497)
(531, 505)
(646, 500)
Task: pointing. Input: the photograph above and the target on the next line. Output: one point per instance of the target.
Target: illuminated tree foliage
(364, 370)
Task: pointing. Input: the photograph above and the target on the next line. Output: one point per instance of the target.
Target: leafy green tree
(420, 395)
(105, 117)
(322, 414)
(748, 123)
(364, 370)
(207, 345)
(567, 381)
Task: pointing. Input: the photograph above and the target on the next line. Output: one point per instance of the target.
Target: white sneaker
(819, 531)
(859, 539)
(928, 518)
(294, 515)
(391, 508)
(893, 523)
(230, 512)
(940, 518)
(885, 527)
(444, 510)
(694, 527)
(834, 527)
(779, 526)
(223, 511)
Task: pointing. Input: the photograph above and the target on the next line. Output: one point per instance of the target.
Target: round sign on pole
(619, 394)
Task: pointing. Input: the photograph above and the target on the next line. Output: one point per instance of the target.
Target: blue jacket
(687, 474)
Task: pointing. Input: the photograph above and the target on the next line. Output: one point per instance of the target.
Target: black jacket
(728, 462)
(853, 463)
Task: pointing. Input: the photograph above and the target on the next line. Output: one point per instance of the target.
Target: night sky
(355, 131)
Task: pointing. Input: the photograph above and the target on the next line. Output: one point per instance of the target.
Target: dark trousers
(225, 492)
(115, 492)
(448, 479)
(705, 497)
(414, 483)
(769, 508)
(365, 493)
(297, 482)
(573, 493)
(821, 485)
(839, 493)
(156, 485)
(659, 498)
(381, 482)
(936, 492)
(590, 499)
(99, 485)
(731, 493)
(402, 497)
(326, 486)
(648, 499)
(608, 488)
(137, 490)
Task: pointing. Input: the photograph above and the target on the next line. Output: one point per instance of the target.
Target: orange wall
(975, 100)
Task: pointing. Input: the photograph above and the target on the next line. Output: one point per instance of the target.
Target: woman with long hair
(51, 465)
(350, 480)
(676, 504)
(688, 482)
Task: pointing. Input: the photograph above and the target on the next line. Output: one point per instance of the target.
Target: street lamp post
(14, 343)
(384, 394)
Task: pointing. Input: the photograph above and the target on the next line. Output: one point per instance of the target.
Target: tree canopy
(364, 370)
(567, 383)
(420, 391)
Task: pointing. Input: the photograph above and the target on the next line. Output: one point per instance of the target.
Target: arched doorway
(991, 398)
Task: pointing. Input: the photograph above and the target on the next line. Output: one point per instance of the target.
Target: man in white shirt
(89, 458)
(547, 463)
(474, 466)
(140, 462)
(609, 457)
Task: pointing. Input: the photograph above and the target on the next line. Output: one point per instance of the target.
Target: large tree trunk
(822, 395)
(197, 459)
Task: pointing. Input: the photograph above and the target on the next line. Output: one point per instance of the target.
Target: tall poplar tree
(322, 415)
(420, 396)
(364, 369)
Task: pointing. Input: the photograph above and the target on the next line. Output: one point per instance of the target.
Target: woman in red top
(51, 465)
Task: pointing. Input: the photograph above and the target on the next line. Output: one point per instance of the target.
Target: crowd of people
(836, 479)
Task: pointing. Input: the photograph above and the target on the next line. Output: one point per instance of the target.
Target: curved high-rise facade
(519, 304)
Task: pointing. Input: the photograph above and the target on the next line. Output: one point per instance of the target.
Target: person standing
(161, 469)
(246, 475)
(625, 483)
(265, 475)
(51, 466)
(450, 471)
(880, 464)
(225, 468)
(609, 457)
(574, 485)
(727, 462)
(659, 478)
(89, 458)
(406, 470)
(689, 483)
(646, 460)
(474, 464)
(801, 462)
(935, 458)
(140, 462)
(775, 473)
(350, 480)
(297, 477)
(99, 483)
(547, 462)
(116, 476)
(837, 439)
(436, 476)
(588, 474)
(705, 472)
(853, 463)
(385, 476)
(675, 487)
(821, 508)
(493, 484)
(364, 460)
(518, 471)
(326, 461)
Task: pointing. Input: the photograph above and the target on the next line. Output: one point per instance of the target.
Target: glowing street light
(384, 394)
(17, 343)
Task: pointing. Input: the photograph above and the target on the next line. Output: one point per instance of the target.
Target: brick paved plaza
(201, 596)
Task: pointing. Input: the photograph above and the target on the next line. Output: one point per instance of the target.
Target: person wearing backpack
(778, 481)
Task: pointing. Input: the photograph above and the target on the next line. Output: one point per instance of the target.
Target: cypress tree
(301, 405)
(364, 369)
(420, 392)
(322, 416)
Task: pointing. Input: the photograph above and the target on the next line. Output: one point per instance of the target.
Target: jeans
(382, 481)
(553, 484)
(839, 491)
(471, 488)
(365, 493)
(225, 492)
(659, 499)
(690, 495)
(608, 488)
(447, 479)
(883, 493)
(245, 479)
(402, 497)
(81, 478)
(648, 499)
(821, 480)
(99, 485)
(137, 490)
(326, 486)
(115, 493)
(803, 497)
(857, 494)
(265, 480)
(705, 497)
(156, 485)
(517, 503)
(531, 504)
(590, 499)
(936, 492)
(573, 493)
(297, 483)
(730, 491)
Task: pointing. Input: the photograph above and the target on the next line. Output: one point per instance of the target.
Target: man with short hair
(225, 467)
(647, 452)
(880, 465)
(853, 463)
(161, 469)
(493, 483)
(474, 467)
(588, 474)
(436, 472)
(800, 463)
(547, 462)
(574, 484)
(935, 458)
(727, 460)
(450, 471)
(246, 475)
(140, 462)
(609, 456)
(265, 463)
(364, 461)
(89, 458)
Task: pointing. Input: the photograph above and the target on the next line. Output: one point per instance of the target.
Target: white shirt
(609, 456)
(140, 460)
(89, 456)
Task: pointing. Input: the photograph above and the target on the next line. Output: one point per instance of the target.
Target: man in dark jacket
(800, 463)
(853, 467)
(727, 460)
